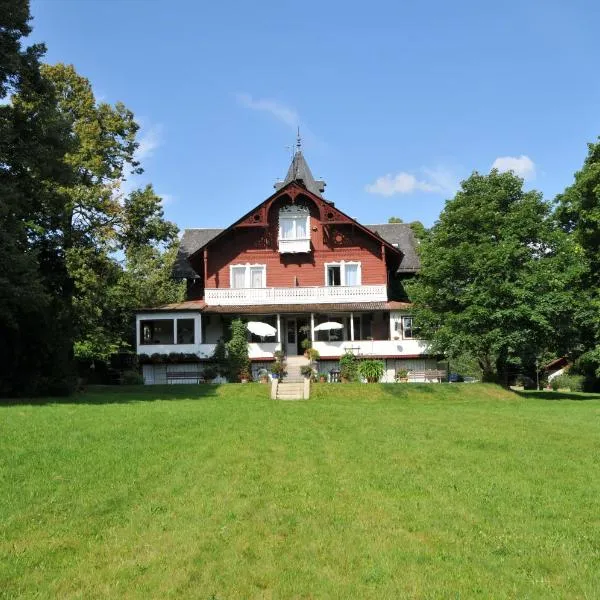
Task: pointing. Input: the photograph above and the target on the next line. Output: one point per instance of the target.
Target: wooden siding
(329, 243)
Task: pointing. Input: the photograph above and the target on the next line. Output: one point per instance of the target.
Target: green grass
(420, 491)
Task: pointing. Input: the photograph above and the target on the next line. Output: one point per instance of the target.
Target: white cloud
(282, 113)
(149, 141)
(438, 180)
(522, 165)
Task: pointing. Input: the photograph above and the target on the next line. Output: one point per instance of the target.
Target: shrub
(219, 359)
(237, 350)
(132, 378)
(571, 382)
(143, 359)
(210, 372)
(348, 366)
(307, 371)
(371, 370)
(279, 365)
(527, 383)
(306, 344)
(313, 354)
(402, 374)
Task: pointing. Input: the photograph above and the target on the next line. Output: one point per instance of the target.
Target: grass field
(391, 491)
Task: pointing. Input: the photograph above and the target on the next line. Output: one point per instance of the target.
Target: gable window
(294, 229)
(343, 273)
(248, 276)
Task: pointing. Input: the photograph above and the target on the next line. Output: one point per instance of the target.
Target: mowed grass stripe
(362, 492)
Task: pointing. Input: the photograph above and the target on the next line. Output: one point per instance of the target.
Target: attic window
(294, 229)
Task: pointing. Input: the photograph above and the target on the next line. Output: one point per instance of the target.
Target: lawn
(380, 491)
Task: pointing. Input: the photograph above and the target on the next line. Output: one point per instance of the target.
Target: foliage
(371, 370)
(348, 366)
(279, 366)
(237, 350)
(306, 343)
(172, 357)
(419, 230)
(132, 378)
(219, 359)
(395, 220)
(574, 383)
(307, 370)
(210, 372)
(313, 355)
(401, 374)
(578, 212)
(495, 277)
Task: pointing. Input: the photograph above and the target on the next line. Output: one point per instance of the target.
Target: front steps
(294, 386)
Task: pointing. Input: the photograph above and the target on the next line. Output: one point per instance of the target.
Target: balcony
(295, 246)
(295, 295)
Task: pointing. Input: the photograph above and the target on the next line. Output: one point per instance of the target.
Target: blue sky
(396, 101)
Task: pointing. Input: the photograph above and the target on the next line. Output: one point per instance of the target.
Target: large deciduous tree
(494, 277)
(578, 212)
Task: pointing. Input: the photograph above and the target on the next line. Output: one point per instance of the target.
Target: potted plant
(371, 370)
(307, 371)
(279, 366)
(263, 375)
(306, 345)
(322, 377)
(313, 355)
(245, 375)
(402, 376)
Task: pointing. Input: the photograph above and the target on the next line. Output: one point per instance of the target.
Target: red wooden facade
(334, 237)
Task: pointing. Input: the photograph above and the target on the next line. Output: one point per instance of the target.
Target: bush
(313, 354)
(237, 350)
(209, 372)
(371, 370)
(132, 378)
(571, 382)
(348, 366)
(527, 383)
(307, 371)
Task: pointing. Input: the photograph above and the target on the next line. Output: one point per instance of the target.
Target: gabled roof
(399, 235)
(402, 236)
(300, 171)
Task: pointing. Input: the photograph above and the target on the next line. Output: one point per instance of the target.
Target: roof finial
(298, 141)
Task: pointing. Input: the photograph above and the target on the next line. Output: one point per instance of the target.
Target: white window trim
(402, 318)
(295, 219)
(247, 276)
(342, 264)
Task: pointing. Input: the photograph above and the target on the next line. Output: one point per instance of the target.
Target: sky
(396, 101)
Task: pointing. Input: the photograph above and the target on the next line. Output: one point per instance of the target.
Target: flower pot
(322, 379)
(264, 379)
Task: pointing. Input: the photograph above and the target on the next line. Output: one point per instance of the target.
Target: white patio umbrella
(261, 329)
(328, 326)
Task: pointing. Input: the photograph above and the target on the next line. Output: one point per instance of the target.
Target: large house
(295, 261)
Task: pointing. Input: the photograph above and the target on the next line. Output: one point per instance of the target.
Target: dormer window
(294, 229)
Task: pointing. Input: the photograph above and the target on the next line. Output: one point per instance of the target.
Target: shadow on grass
(119, 394)
(549, 395)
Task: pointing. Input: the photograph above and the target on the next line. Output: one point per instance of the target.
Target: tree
(237, 350)
(33, 357)
(578, 212)
(395, 220)
(494, 280)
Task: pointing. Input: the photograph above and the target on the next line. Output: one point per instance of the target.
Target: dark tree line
(75, 252)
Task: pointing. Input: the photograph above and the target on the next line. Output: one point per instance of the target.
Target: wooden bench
(438, 375)
(181, 375)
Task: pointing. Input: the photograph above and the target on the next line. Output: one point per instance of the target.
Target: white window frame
(412, 327)
(295, 216)
(247, 275)
(342, 264)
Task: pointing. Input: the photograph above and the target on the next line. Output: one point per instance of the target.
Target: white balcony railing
(295, 246)
(295, 295)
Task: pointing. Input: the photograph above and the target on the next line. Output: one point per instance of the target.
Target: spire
(300, 171)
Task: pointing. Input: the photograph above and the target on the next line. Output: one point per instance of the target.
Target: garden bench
(181, 375)
(438, 375)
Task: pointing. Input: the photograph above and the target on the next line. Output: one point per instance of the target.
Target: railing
(295, 295)
(300, 245)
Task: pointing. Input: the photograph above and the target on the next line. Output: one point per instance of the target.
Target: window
(185, 331)
(157, 331)
(248, 276)
(407, 328)
(294, 229)
(347, 274)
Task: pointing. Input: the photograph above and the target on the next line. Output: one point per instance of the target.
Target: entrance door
(292, 337)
